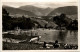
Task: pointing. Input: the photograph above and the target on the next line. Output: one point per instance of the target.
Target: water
(65, 36)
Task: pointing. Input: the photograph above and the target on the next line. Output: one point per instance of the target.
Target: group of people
(55, 45)
(58, 45)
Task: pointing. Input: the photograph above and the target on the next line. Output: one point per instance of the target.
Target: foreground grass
(27, 46)
(20, 46)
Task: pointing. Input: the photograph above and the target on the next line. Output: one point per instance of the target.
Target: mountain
(68, 10)
(17, 11)
(32, 9)
(46, 11)
(37, 10)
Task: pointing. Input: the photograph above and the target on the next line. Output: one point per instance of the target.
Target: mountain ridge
(69, 10)
(15, 11)
(37, 10)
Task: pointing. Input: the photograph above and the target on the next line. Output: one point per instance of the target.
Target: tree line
(9, 23)
(63, 21)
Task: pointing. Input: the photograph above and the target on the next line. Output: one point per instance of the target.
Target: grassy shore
(21, 46)
(28, 46)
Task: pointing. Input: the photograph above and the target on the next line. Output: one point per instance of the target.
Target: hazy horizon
(40, 4)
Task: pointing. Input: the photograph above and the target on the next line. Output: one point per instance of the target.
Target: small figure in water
(56, 45)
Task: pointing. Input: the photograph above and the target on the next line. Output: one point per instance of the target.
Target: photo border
(37, 50)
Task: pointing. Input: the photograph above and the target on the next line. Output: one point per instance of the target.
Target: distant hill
(69, 10)
(37, 10)
(42, 23)
(46, 11)
(75, 16)
(17, 11)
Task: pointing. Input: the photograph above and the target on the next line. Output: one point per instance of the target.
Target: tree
(62, 16)
(5, 18)
(4, 12)
(61, 20)
(73, 25)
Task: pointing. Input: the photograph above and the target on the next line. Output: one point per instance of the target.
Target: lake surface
(64, 36)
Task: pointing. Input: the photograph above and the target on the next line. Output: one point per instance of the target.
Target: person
(56, 45)
(44, 45)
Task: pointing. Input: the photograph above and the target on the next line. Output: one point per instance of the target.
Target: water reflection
(64, 36)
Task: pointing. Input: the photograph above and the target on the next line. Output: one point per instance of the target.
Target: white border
(0, 25)
(36, 50)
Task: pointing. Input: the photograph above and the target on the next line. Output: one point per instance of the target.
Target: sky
(40, 3)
